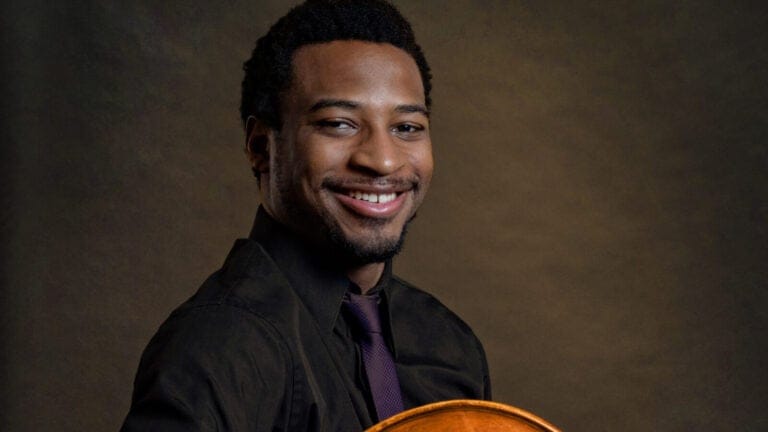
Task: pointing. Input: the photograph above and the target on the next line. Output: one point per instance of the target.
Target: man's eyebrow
(407, 109)
(348, 104)
(338, 103)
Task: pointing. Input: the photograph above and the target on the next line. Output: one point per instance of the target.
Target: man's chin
(367, 250)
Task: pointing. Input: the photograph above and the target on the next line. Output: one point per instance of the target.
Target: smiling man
(353, 158)
(305, 328)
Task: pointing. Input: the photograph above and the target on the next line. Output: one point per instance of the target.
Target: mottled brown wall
(599, 213)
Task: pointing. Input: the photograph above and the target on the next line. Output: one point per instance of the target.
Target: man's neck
(366, 276)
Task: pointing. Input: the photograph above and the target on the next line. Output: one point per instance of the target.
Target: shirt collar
(320, 285)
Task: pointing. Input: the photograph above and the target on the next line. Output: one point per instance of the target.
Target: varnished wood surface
(464, 415)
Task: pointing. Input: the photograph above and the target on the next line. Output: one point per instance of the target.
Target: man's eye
(407, 129)
(335, 127)
(334, 124)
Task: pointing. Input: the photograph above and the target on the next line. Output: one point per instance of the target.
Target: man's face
(353, 160)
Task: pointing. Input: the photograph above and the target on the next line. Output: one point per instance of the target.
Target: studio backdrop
(598, 213)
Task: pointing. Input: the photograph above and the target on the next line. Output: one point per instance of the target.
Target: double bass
(464, 415)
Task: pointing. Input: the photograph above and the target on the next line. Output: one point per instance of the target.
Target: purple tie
(379, 365)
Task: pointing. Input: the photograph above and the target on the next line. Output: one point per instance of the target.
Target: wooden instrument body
(464, 415)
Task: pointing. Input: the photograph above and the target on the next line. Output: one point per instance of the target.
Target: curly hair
(268, 71)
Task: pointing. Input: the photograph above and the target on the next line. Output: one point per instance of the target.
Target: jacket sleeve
(211, 368)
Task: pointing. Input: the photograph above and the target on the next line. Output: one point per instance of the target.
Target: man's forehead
(341, 69)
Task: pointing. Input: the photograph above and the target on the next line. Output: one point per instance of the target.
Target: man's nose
(378, 153)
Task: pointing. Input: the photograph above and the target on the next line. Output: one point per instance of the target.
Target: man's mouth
(373, 204)
(373, 197)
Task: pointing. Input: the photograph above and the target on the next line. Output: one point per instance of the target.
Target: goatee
(372, 251)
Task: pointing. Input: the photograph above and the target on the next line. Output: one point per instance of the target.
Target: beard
(374, 249)
(324, 232)
(376, 246)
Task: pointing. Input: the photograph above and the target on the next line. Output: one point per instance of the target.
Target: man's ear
(257, 136)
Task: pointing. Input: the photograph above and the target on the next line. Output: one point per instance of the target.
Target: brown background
(598, 213)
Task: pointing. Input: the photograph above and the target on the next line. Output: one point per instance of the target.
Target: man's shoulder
(435, 344)
(422, 310)
(236, 304)
(244, 300)
(217, 346)
(249, 281)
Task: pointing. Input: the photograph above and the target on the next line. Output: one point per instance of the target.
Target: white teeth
(374, 198)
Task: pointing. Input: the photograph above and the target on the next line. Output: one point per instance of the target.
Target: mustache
(397, 183)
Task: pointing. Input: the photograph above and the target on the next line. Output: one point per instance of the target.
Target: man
(304, 328)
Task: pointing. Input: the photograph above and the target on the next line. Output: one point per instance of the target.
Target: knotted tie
(378, 362)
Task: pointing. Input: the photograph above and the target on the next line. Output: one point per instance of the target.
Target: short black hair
(268, 71)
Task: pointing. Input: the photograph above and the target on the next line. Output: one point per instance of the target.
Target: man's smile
(373, 197)
(372, 204)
